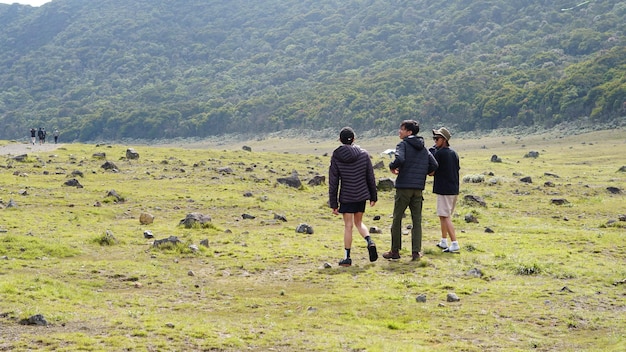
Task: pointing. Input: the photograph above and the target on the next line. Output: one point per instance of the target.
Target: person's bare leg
(358, 223)
(348, 220)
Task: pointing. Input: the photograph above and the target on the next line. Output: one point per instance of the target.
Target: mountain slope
(157, 69)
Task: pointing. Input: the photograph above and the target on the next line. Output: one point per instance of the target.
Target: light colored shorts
(446, 204)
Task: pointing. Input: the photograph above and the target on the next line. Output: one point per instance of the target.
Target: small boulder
(526, 179)
(304, 228)
(614, 190)
(146, 219)
(131, 154)
(195, 219)
(291, 181)
(170, 240)
(559, 201)
(495, 159)
(474, 200)
(532, 154)
(73, 183)
(317, 180)
(471, 218)
(452, 297)
(385, 184)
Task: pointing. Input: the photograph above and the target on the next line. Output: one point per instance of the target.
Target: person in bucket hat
(446, 186)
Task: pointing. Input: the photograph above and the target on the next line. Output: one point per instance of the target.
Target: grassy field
(552, 275)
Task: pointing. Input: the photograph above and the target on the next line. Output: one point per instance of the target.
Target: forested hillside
(113, 69)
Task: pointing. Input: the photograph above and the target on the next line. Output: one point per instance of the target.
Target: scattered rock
(112, 193)
(194, 248)
(559, 201)
(495, 159)
(36, 319)
(375, 229)
(526, 179)
(109, 238)
(566, 289)
(205, 242)
(548, 184)
(248, 216)
(73, 183)
(532, 154)
(452, 297)
(474, 200)
(291, 181)
(304, 228)
(109, 166)
(614, 190)
(622, 169)
(131, 154)
(621, 217)
(620, 282)
(195, 219)
(489, 230)
(246, 148)
(170, 240)
(475, 272)
(146, 219)
(20, 158)
(225, 170)
(327, 265)
(248, 194)
(379, 165)
(148, 234)
(22, 192)
(385, 184)
(471, 218)
(101, 155)
(317, 180)
(280, 217)
(421, 298)
(551, 174)
(376, 218)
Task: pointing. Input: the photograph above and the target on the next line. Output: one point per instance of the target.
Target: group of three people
(352, 184)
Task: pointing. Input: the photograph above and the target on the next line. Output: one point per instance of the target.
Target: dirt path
(26, 148)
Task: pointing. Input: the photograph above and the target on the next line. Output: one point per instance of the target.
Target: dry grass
(550, 272)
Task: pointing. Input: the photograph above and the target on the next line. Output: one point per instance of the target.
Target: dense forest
(152, 69)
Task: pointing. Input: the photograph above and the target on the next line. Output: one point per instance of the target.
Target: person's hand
(335, 211)
(372, 203)
(395, 171)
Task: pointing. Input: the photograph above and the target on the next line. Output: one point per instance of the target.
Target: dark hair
(411, 125)
(346, 136)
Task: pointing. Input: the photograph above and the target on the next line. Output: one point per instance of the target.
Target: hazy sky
(25, 2)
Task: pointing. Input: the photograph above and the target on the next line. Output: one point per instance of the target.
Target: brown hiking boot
(391, 255)
(415, 256)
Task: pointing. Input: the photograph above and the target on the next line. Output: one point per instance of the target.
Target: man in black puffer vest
(412, 163)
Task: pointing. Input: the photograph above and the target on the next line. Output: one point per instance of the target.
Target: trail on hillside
(26, 148)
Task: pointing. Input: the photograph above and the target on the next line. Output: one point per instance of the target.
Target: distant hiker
(56, 135)
(446, 187)
(42, 135)
(350, 166)
(411, 165)
(33, 135)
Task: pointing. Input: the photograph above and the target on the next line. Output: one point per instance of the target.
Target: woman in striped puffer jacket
(351, 175)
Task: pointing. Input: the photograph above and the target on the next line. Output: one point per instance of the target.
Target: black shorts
(351, 208)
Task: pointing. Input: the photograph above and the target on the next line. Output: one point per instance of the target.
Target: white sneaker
(452, 249)
(442, 245)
